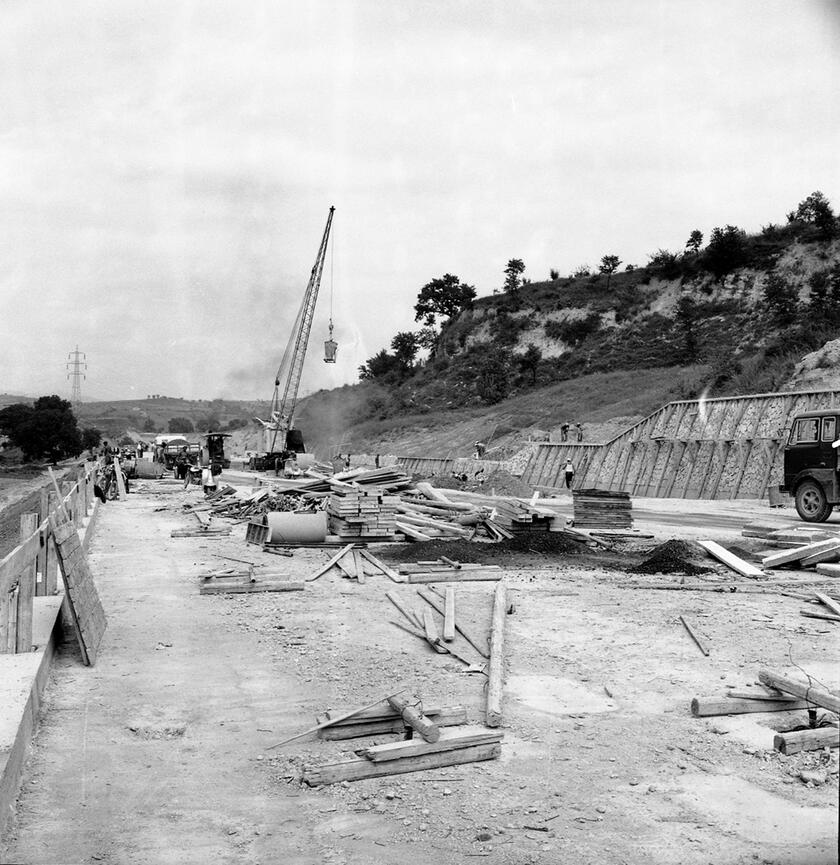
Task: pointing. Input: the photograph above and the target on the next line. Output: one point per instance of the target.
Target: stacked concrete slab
(724, 448)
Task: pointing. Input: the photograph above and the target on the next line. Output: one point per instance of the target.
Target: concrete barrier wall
(728, 448)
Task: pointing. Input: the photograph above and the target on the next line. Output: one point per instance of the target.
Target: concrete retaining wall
(716, 448)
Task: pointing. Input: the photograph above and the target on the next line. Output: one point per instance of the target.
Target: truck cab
(811, 463)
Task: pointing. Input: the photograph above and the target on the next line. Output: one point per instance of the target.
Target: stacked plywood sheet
(361, 513)
(788, 536)
(601, 509)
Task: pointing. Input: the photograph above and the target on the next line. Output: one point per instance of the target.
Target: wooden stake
(332, 721)
(495, 682)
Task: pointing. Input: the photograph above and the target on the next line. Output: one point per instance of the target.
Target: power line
(77, 361)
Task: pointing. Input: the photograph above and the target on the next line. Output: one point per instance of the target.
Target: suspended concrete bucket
(292, 528)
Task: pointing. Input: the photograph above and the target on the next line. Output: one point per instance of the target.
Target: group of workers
(564, 432)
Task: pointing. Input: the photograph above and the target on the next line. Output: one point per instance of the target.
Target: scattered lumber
(812, 614)
(805, 691)
(807, 740)
(444, 717)
(449, 740)
(830, 554)
(415, 719)
(381, 566)
(410, 532)
(829, 570)
(452, 576)
(797, 554)
(327, 565)
(355, 770)
(745, 569)
(412, 616)
(331, 721)
(449, 615)
(433, 597)
(495, 681)
(694, 636)
(702, 707)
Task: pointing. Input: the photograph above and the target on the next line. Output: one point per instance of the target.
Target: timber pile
(779, 693)
(390, 479)
(260, 502)
(358, 513)
(788, 536)
(809, 555)
(601, 509)
(355, 565)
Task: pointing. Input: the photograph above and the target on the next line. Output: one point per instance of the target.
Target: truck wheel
(811, 503)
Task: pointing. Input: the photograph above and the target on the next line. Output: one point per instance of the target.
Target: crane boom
(283, 408)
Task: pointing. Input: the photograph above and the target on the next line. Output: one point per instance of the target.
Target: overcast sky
(166, 168)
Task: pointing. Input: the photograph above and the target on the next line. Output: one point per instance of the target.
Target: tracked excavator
(282, 441)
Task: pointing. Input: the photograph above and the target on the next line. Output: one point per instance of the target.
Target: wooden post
(417, 721)
(50, 573)
(495, 681)
(26, 591)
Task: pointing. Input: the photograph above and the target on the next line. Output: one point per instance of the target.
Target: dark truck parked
(812, 463)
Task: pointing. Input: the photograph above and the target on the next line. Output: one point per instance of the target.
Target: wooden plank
(378, 563)
(355, 770)
(450, 740)
(411, 532)
(812, 614)
(433, 597)
(803, 690)
(770, 694)
(429, 627)
(415, 719)
(731, 560)
(786, 557)
(26, 587)
(829, 555)
(694, 636)
(495, 681)
(383, 712)
(702, 707)
(829, 570)
(82, 598)
(449, 615)
(807, 740)
(462, 576)
(244, 587)
(828, 602)
(327, 565)
(445, 717)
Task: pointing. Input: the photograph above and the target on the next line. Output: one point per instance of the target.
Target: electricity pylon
(76, 363)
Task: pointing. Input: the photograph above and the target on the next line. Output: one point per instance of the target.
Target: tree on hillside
(405, 345)
(91, 438)
(553, 274)
(446, 296)
(695, 241)
(816, 210)
(48, 428)
(726, 250)
(181, 425)
(513, 273)
(609, 264)
(530, 360)
(381, 366)
(665, 264)
(781, 299)
(492, 382)
(581, 271)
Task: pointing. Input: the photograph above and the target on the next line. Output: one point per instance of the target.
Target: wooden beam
(829, 602)
(378, 563)
(398, 602)
(355, 770)
(731, 560)
(449, 740)
(702, 707)
(786, 557)
(429, 627)
(449, 615)
(244, 587)
(807, 740)
(118, 479)
(691, 632)
(803, 690)
(415, 719)
(461, 576)
(496, 671)
(445, 717)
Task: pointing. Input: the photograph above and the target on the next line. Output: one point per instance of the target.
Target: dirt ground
(161, 752)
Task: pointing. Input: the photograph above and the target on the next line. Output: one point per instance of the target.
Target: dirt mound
(508, 551)
(672, 557)
(487, 482)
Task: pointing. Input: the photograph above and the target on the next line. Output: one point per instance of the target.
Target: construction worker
(564, 432)
(480, 450)
(579, 430)
(569, 471)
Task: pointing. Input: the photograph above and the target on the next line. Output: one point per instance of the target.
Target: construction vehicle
(812, 464)
(282, 440)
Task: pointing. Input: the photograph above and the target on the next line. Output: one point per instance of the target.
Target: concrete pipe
(291, 528)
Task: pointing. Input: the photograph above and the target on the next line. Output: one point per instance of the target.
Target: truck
(812, 464)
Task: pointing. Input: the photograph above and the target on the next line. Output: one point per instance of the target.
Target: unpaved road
(159, 754)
